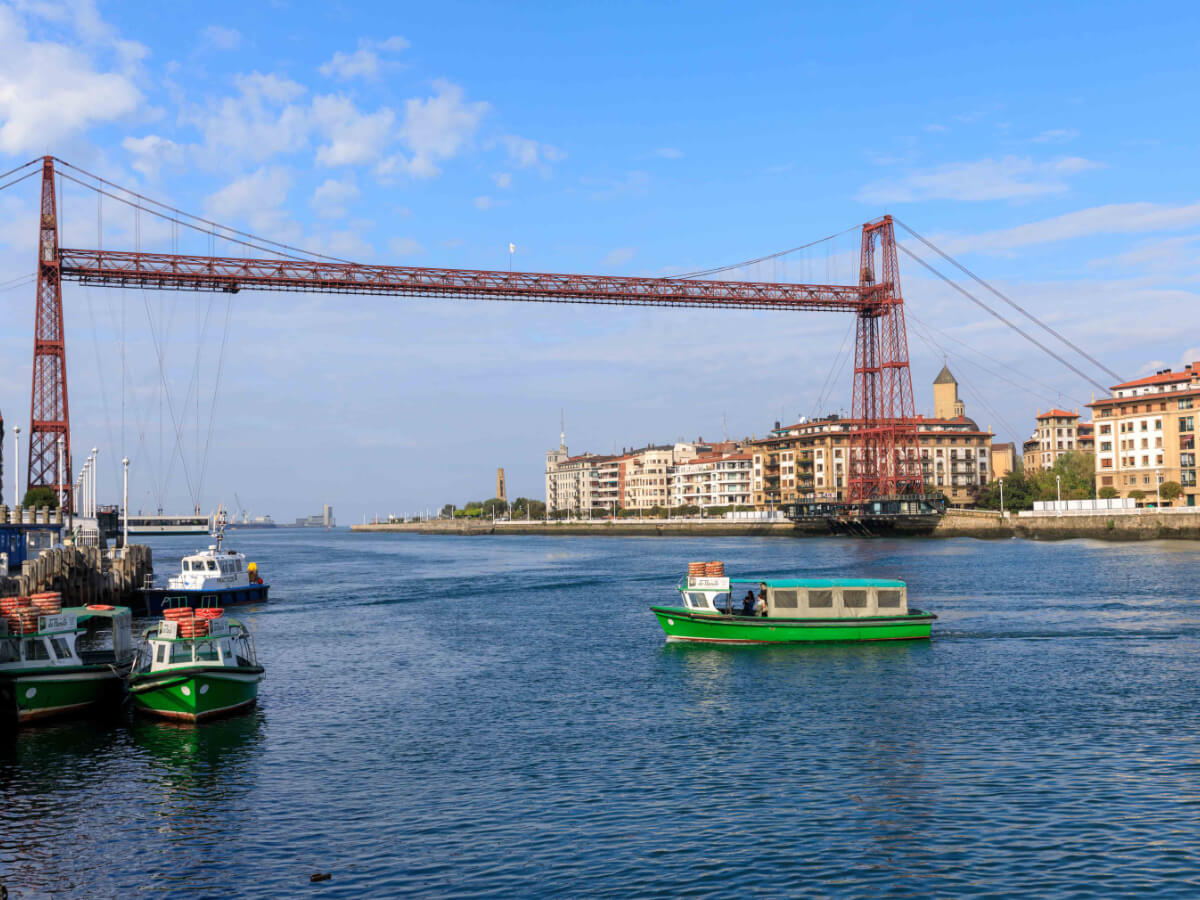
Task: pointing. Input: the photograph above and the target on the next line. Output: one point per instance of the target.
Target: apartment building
(1004, 460)
(716, 480)
(644, 477)
(781, 469)
(579, 484)
(1146, 434)
(1058, 431)
(955, 456)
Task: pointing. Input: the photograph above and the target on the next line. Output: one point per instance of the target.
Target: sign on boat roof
(821, 582)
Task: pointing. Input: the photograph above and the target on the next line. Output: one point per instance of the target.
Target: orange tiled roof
(1057, 414)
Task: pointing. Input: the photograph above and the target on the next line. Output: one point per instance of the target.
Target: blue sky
(1053, 150)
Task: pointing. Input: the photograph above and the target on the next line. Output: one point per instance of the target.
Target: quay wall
(1175, 524)
(82, 575)
(628, 528)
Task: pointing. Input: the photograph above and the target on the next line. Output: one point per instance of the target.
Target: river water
(501, 716)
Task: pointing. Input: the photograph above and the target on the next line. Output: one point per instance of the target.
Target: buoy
(104, 607)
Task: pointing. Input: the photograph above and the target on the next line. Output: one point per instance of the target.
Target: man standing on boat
(760, 608)
(748, 604)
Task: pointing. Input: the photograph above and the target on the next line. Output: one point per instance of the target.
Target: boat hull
(153, 598)
(196, 694)
(50, 694)
(682, 625)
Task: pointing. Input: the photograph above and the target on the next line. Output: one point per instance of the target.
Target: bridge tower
(49, 418)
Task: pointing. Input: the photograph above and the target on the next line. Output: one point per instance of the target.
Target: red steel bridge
(883, 463)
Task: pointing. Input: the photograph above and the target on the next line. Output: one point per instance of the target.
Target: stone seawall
(626, 528)
(984, 524)
(82, 575)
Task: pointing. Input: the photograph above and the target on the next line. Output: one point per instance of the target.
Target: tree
(525, 508)
(41, 496)
(494, 506)
(1019, 493)
(1137, 496)
(447, 511)
(1108, 493)
(1170, 490)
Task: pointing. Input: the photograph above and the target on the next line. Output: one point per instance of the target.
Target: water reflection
(206, 752)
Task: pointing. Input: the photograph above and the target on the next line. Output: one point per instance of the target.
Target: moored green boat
(68, 663)
(792, 610)
(181, 674)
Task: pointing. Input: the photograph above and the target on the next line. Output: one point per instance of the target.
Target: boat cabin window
(8, 650)
(820, 599)
(62, 648)
(162, 653)
(212, 565)
(786, 599)
(207, 652)
(854, 599)
(181, 652)
(35, 648)
(696, 599)
(237, 566)
(888, 599)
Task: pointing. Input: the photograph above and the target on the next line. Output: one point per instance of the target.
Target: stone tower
(946, 404)
(501, 487)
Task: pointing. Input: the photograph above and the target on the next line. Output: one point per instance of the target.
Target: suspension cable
(1010, 302)
(750, 262)
(212, 225)
(992, 312)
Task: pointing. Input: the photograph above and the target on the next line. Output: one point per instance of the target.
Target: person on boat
(760, 607)
(748, 604)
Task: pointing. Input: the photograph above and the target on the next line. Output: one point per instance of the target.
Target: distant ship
(167, 524)
(247, 522)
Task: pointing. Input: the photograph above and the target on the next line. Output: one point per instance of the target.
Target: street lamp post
(62, 487)
(17, 470)
(1158, 490)
(1002, 497)
(125, 505)
(1058, 489)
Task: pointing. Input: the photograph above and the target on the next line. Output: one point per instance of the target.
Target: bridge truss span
(165, 271)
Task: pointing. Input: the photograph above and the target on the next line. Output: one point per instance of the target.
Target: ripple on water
(502, 717)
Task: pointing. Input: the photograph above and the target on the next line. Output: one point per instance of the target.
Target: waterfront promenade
(1111, 525)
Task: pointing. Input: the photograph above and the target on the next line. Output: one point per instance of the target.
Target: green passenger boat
(75, 661)
(792, 610)
(193, 678)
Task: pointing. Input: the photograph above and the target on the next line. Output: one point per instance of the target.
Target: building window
(1184, 402)
(1187, 423)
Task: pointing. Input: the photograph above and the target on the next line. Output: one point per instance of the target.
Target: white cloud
(331, 197)
(619, 256)
(525, 153)
(1115, 218)
(668, 152)
(503, 179)
(260, 121)
(221, 38)
(1009, 178)
(363, 62)
(405, 246)
(353, 137)
(50, 91)
(484, 202)
(152, 152)
(436, 128)
(257, 200)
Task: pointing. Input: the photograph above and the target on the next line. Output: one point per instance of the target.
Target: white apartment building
(713, 481)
